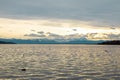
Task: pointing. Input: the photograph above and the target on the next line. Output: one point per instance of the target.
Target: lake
(59, 62)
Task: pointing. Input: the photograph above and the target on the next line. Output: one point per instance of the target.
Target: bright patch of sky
(12, 28)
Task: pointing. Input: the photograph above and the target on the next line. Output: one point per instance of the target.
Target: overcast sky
(89, 13)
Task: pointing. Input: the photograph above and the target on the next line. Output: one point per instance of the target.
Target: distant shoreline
(114, 42)
(3, 42)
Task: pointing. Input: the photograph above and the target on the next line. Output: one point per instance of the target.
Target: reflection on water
(59, 62)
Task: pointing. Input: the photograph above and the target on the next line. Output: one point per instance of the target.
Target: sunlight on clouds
(12, 28)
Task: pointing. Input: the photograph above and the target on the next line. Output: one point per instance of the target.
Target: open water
(59, 62)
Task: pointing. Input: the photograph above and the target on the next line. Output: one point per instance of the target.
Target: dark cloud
(104, 12)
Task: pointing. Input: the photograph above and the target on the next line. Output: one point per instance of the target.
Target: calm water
(59, 62)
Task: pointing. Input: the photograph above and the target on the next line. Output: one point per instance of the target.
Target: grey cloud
(114, 36)
(57, 37)
(34, 35)
(54, 36)
(40, 32)
(74, 29)
(73, 36)
(104, 12)
(113, 28)
(103, 36)
(96, 36)
(91, 36)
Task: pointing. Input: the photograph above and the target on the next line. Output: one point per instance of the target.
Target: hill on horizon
(50, 41)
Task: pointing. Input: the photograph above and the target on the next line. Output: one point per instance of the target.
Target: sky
(60, 19)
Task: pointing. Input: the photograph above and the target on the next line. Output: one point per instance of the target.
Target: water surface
(59, 62)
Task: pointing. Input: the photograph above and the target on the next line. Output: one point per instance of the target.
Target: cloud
(74, 29)
(40, 32)
(112, 28)
(54, 36)
(114, 36)
(103, 36)
(89, 36)
(33, 30)
(100, 12)
(35, 35)
(97, 36)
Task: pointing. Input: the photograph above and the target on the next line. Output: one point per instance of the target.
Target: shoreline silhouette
(114, 42)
